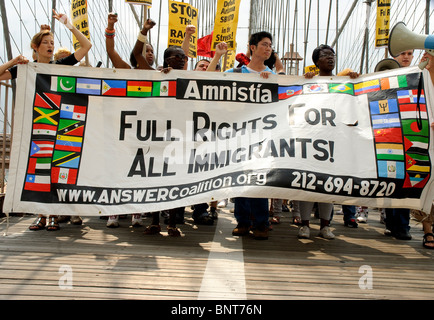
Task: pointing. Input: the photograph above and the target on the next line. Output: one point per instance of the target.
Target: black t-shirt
(69, 61)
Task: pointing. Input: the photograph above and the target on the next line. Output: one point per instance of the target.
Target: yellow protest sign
(383, 22)
(79, 19)
(229, 60)
(181, 15)
(312, 68)
(226, 23)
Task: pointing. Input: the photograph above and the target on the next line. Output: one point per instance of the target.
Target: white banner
(101, 141)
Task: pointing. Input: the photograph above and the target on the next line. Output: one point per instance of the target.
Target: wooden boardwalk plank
(123, 263)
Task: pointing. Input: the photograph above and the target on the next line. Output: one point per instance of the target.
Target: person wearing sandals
(43, 47)
(427, 219)
(427, 226)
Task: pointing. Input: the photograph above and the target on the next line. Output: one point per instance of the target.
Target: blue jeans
(397, 220)
(349, 212)
(251, 211)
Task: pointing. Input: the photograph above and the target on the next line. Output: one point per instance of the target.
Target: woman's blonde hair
(60, 52)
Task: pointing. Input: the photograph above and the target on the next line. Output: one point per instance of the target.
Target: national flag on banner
(315, 88)
(288, 92)
(164, 89)
(409, 111)
(66, 159)
(89, 86)
(45, 116)
(64, 176)
(37, 183)
(63, 84)
(342, 88)
(389, 151)
(409, 161)
(420, 167)
(44, 130)
(410, 96)
(394, 82)
(54, 98)
(69, 111)
(38, 164)
(383, 106)
(48, 101)
(407, 144)
(391, 169)
(114, 88)
(414, 127)
(393, 135)
(139, 88)
(71, 127)
(69, 143)
(415, 180)
(387, 120)
(417, 142)
(41, 149)
(366, 87)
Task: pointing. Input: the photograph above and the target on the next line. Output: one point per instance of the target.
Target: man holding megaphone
(398, 220)
(402, 43)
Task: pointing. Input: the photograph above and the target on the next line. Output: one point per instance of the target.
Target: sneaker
(203, 219)
(402, 235)
(136, 220)
(213, 213)
(113, 222)
(260, 233)
(363, 216)
(241, 230)
(326, 233)
(351, 223)
(304, 232)
(222, 203)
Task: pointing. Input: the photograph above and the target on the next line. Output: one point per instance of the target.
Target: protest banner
(226, 23)
(181, 15)
(101, 142)
(79, 20)
(382, 24)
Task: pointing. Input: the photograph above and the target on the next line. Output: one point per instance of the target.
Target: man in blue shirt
(260, 45)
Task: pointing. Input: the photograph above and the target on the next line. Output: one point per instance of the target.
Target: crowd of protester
(254, 215)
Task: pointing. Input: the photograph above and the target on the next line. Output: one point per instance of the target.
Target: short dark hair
(195, 66)
(168, 53)
(257, 37)
(317, 51)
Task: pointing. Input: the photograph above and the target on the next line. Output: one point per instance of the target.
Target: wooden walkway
(94, 262)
